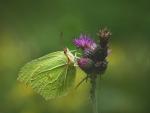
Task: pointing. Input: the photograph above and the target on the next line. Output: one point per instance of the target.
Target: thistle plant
(53, 75)
(93, 60)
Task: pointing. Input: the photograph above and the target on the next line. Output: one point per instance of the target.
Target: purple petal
(84, 42)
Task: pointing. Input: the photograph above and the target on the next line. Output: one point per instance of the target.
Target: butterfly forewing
(30, 68)
(50, 76)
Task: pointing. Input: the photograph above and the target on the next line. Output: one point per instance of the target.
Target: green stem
(93, 93)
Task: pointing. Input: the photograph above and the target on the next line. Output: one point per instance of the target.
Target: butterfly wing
(51, 76)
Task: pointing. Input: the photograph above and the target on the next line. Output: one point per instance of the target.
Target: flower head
(93, 59)
(84, 42)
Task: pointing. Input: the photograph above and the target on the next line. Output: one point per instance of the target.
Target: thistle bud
(104, 36)
(86, 64)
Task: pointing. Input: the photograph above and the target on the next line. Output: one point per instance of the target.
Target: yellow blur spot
(20, 91)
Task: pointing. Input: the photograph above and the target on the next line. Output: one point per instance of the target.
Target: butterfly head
(69, 55)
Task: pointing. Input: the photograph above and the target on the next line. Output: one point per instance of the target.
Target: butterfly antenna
(84, 79)
(61, 39)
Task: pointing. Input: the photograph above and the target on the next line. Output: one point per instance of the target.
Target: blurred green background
(30, 29)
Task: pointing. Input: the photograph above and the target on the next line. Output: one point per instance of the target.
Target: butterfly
(52, 75)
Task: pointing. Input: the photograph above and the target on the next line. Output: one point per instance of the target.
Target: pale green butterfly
(52, 75)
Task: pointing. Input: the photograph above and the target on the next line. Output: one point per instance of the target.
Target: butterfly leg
(84, 79)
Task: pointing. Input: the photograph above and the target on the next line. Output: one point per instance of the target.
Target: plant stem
(93, 93)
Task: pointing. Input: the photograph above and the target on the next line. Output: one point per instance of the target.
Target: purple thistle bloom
(85, 42)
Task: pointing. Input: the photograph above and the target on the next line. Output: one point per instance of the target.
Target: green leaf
(51, 75)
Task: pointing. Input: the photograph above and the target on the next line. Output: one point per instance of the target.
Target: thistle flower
(93, 59)
(85, 42)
